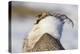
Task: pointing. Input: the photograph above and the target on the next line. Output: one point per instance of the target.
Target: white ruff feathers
(50, 25)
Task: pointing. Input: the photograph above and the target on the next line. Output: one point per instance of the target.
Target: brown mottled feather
(46, 43)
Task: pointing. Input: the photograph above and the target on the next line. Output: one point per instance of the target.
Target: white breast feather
(49, 25)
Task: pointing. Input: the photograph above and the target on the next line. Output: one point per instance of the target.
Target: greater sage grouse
(46, 33)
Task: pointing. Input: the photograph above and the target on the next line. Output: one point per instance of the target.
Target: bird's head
(41, 16)
(61, 17)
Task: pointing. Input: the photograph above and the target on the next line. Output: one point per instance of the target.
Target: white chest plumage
(46, 24)
(50, 25)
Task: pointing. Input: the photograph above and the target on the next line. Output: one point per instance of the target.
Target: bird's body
(45, 35)
(48, 25)
(46, 43)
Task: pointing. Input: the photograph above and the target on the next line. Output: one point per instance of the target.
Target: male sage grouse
(46, 32)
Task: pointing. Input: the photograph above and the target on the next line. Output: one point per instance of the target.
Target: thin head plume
(63, 17)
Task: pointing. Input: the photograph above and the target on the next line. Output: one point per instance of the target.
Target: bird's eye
(39, 15)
